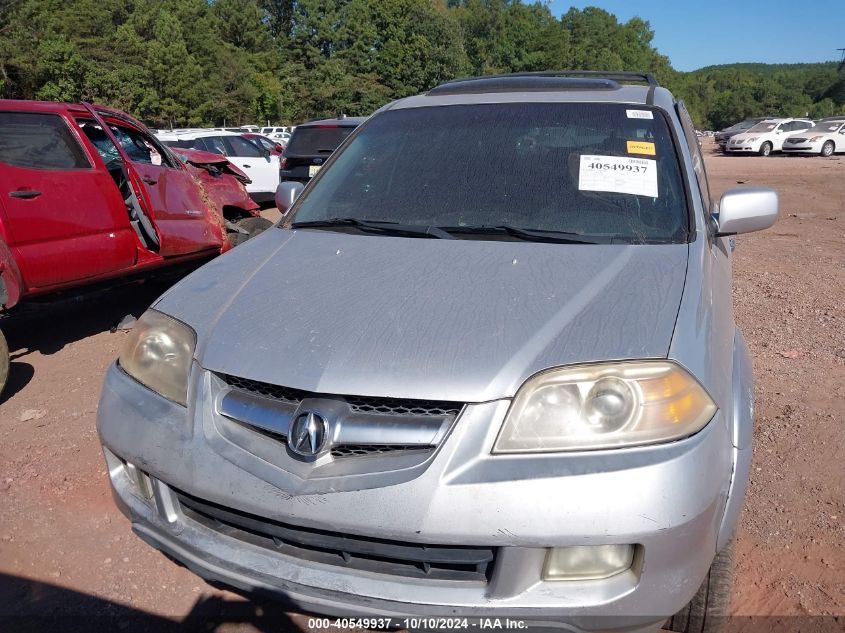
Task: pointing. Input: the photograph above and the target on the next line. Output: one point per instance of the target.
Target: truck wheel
(766, 149)
(707, 610)
(827, 148)
(4, 362)
(252, 225)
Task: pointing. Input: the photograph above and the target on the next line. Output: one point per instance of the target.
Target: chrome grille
(360, 404)
(364, 450)
(358, 426)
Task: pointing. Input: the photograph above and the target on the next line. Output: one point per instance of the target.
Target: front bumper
(747, 149)
(804, 148)
(668, 500)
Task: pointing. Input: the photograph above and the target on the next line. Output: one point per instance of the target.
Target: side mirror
(286, 194)
(277, 147)
(743, 210)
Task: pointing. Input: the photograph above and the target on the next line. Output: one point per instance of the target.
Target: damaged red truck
(88, 195)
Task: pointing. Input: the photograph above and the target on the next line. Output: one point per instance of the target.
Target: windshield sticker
(641, 147)
(639, 114)
(618, 174)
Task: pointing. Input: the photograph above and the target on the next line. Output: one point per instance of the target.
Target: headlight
(608, 405)
(158, 354)
(752, 139)
(815, 138)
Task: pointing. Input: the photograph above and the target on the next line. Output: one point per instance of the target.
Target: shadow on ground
(28, 606)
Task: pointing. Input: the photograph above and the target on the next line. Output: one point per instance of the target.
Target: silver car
(485, 365)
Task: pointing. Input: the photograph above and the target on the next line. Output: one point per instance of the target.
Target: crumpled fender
(210, 161)
(11, 282)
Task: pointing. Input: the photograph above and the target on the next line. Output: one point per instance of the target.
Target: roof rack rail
(620, 75)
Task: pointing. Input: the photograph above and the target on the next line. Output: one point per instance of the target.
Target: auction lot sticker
(618, 174)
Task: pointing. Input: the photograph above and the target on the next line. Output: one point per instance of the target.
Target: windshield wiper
(380, 226)
(530, 235)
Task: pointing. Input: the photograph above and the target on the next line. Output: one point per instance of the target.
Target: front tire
(4, 362)
(766, 149)
(707, 610)
(827, 149)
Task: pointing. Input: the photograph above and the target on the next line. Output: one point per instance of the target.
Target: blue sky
(705, 32)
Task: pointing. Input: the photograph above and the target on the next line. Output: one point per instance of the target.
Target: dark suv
(312, 143)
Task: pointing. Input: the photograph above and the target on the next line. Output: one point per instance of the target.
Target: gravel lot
(66, 551)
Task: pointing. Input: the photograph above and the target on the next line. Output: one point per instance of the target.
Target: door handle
(149, 181)
(25, 194)
(247, 166)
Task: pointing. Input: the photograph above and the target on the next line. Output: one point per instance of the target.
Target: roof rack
(620, 75)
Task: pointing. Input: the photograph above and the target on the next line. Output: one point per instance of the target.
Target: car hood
(808, 135)
(745, 135)
(463, 320)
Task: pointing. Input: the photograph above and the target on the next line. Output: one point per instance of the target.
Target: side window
(140, 147)
(242, 147)
(39, 141)
(697, 158)
(215, 145)
(100, 140)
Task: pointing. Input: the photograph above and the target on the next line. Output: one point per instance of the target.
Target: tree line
(212, 62)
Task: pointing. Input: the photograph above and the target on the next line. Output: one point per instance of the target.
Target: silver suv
(486, 365)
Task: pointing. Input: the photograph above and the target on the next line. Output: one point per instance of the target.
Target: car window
(184, 143)
(39, 141)
(136, 146)
(697, 157)
(215, 145)
(242, 147)
(314, 140)
(591, 169)
(263, 142)
(100, 140)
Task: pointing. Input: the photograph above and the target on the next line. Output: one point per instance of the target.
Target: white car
(257, 163)
(269, 131)
(826, 138)
(281, 137)
(767, 136)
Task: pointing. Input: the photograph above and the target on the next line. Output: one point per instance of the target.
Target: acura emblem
(307, 434)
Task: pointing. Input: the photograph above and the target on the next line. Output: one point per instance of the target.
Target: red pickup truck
(87, 195)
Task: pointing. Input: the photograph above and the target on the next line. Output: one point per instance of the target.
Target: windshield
(587, 169)
(765, 126)
(823, 127)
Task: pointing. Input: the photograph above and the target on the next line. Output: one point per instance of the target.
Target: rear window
(607, 170)
(315, 140)
(39, 141)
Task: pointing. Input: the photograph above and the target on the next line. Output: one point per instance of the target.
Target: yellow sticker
(641, 147)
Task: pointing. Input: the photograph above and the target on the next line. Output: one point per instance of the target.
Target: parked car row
(763, 136)
(260, 163)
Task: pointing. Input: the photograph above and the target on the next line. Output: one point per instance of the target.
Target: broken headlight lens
(158, 354)
(609, 405)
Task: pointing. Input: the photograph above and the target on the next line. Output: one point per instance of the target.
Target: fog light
(587, 562)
